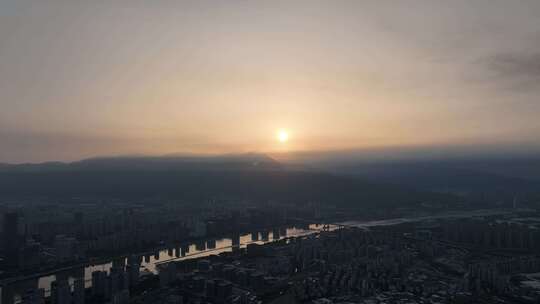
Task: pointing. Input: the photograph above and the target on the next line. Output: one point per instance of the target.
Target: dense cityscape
(114, 252)
(269, 152)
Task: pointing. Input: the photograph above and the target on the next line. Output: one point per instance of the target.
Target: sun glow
(283, 136)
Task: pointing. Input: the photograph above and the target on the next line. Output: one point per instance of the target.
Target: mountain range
(246, 176)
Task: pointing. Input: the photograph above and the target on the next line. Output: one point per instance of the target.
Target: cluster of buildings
(114, 287)
(347, 264)
(481, 259)
(242, 276)
(43, 235)
(355, 265)
(493, 233)
(387, 264)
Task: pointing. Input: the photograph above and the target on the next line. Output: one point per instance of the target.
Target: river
(217, 246)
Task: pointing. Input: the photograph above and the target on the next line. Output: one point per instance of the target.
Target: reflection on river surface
(201, 248)
(216, 246)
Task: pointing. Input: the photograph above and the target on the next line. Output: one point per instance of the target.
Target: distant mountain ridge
(153, 163)
(493, 177)
(245, 176)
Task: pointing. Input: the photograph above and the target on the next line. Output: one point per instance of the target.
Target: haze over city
(269, 152)
(81, 79)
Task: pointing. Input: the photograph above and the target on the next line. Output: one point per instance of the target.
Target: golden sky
(86, 78)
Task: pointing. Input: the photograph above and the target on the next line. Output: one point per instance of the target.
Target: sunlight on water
(193, 250)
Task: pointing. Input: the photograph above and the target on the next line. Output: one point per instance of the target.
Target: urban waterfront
(269, 152)
(196, 249)
(214, 246)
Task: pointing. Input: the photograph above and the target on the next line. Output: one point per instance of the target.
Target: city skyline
(269, 151)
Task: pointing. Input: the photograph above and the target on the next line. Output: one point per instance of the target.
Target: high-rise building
(134, 272)
(116, 278)
(126, 281)
(29, 256)
(60, 292)
(33, 296)
(78, 218)
(64, 247)
(78, 291)
(99, 279)
(121, 297)
(211, 244)
(11, 238)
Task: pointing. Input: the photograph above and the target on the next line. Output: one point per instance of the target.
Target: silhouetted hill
(492, 177)
(252, 176)
(153, 163)
(441, 177)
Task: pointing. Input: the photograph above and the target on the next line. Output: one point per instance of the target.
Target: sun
(283, 136)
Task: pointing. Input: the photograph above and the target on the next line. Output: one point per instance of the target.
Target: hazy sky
(82, 78)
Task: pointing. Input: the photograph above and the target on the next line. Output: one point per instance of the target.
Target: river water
(194, 250)
(217, 246)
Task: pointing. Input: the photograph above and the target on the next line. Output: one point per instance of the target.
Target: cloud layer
(83, 77)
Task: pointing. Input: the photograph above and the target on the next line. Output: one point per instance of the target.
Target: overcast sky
(84, 78)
